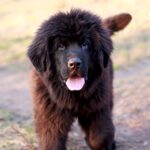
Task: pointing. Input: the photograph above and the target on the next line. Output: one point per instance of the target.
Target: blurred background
(20, 19)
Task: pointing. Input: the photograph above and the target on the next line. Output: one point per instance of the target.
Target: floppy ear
(117, 22)
(37, 53)
(106, 47)
(105, 58)
(103, 44)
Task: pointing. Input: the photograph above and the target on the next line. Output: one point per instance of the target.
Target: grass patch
(15, 136)
(13, 50)
(130, 50)
(5, 118)
(7, 44)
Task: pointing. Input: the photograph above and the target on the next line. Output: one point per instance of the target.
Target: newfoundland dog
(72, 78)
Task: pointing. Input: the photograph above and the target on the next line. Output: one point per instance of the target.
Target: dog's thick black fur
(68, 46)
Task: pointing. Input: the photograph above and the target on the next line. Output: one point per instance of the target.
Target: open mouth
(75, 83)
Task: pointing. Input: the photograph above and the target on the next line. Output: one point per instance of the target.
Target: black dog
(72, 78)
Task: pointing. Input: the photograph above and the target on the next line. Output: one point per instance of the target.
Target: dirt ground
(131, 110)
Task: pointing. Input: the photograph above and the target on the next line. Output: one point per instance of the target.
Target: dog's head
(75, 46)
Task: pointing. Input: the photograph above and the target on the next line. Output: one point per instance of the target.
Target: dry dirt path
(131, 110)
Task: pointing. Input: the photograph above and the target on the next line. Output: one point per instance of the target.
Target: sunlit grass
(15, 135)
(6, 117)
(131, 49)
(13, 49)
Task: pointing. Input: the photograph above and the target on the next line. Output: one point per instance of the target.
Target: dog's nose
(74, 63)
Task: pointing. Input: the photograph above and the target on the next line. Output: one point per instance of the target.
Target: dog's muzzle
(75, 82)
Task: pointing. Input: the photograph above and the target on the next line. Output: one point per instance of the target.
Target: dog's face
(72, 63)
(75, 46)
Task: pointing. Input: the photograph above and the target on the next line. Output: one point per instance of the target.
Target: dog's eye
(61, 47)
(84, 44)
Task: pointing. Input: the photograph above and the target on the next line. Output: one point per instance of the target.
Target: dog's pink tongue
(75, 84)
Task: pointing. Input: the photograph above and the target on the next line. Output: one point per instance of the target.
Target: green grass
(14, 135)
(13, 49)
(5, 116)
(131, 49)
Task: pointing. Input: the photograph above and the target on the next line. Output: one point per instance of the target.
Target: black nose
(74, 63)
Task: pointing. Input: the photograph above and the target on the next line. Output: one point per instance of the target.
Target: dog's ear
(117, 22)
(105, 58)
(103, 45)
(37, 53)
(106, 48)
